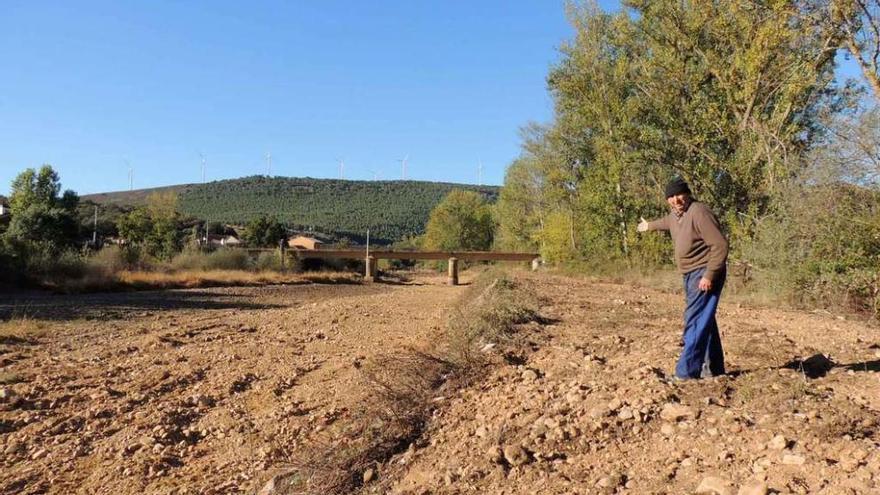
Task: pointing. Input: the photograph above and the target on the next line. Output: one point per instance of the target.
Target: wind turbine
(403, 166)
(268, 164)
(204, 164)
(341, 168)
(130, 175)
(480, 174)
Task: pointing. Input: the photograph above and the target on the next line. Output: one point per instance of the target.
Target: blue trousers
(702, 355)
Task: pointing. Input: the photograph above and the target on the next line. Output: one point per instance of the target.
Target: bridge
(453, 257)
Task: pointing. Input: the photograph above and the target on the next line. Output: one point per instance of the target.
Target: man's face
(679, 202)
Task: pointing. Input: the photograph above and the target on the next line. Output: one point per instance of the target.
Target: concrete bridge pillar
(453, 271)
(370, 272)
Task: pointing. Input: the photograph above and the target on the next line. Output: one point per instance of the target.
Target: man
(701, 257)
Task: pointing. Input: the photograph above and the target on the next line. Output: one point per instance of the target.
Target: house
(221, 240)
(4, 210)
(303, 242)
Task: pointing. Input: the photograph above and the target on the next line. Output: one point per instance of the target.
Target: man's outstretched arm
(659, 224)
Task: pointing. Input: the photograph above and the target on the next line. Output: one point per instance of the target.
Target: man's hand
(705, 284)
(643, 225)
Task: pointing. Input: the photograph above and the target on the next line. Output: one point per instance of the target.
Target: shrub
(268, 261)
(228, 259)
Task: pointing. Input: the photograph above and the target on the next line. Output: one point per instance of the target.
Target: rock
(754, 487)
(625, 414)
(713, 485)
(613, 480)
(481, 431)
(529, 375)
(495, 454)
(369, 474)
(778, 443)
(793, 460)
(667, 429)
(598, 412)
(515, 455)
(280, 484)
(6, 394)
(676, 412)
(13, 447)
(614, 404)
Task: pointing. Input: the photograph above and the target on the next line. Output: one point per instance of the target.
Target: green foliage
(264, 231)
(521, 210)
(41, 219)
(391, 210)
(154, 228)
(108, 217)
(725, 94)
(462, 221)
(268, 261)
(221, 259)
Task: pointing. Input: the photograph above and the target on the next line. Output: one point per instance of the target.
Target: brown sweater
(697, 239)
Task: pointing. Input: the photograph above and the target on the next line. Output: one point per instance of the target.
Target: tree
(462, 221)
(264, 231)
(859, 21)
(39, 214)
(724, 93)
(154, 227)
(521, 208)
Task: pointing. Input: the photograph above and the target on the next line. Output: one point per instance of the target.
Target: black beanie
(677, 186)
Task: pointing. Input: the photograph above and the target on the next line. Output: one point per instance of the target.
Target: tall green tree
(39, 214)
(462, 221)
(264, 231)
(155, 228)
(724, 93)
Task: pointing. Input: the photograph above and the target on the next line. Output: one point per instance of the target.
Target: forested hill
(391, 210)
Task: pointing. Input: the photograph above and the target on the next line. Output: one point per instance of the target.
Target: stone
(614, 404)
(713, 485)
(613, 480)
(369, 475)
(625, 414)
(280, 484)
(676, 412)
(6, 394)
(667, 429)
(495, 454)
(515, 455)
(777, 443)
(529, 375)
(793, 460)
(13, 447)
(753, 487)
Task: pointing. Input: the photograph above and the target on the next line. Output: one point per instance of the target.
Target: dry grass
(21, 330)
(144, 280)
(403, 386)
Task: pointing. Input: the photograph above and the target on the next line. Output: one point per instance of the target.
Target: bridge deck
(414, 255)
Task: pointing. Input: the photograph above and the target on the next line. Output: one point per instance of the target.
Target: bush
(44, 265)
(228, 259)
(112, 259)
(823, 247)
(268, 261)
(221, 259)
(490, 309)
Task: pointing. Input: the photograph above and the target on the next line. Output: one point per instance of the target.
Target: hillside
(391, 210)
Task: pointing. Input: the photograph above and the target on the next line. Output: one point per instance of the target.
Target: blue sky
(89, 86)
(94, 87)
